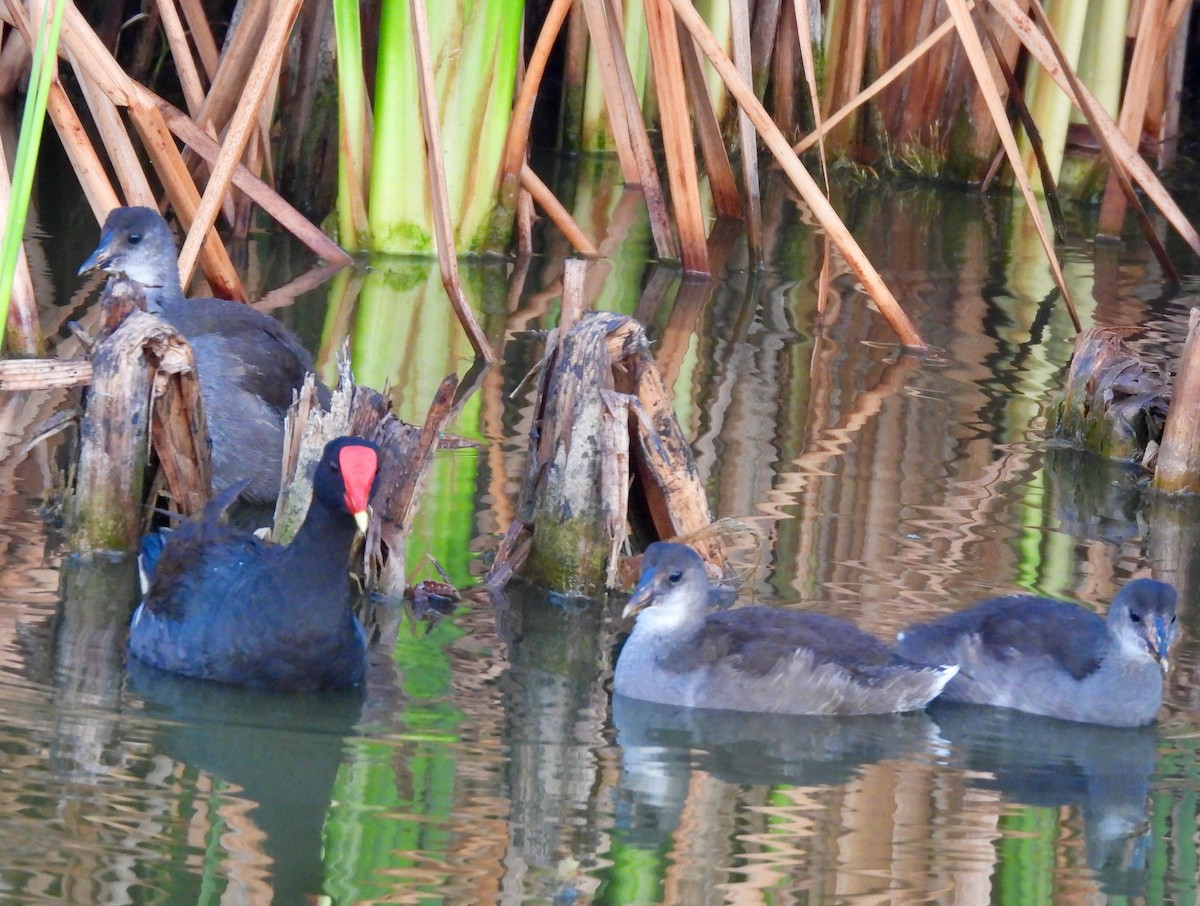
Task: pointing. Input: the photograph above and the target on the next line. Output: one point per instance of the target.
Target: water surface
(488, 761)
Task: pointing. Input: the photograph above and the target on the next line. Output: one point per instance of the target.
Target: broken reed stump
(1115, 403)
(605, 444)
(405, 456)
(144, 395)
(1178, 467)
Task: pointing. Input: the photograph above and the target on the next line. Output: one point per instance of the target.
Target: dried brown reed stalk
(800, 178)
(1148, 55)
(678, 144)
(969, 37)
(237, 95)
(1123, 154)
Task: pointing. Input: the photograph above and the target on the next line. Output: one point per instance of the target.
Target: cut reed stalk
(558, 214)
(1178, 468)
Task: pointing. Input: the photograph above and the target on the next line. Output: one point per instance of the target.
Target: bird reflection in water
(1103, 771)
(279, 752)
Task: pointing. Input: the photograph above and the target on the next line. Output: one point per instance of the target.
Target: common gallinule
(225, 605)
(1057, 658)
(684, 652)
(248, 363)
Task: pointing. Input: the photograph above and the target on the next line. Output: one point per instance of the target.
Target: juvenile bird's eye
(676, 575)
(135, 238)
(1135, 616)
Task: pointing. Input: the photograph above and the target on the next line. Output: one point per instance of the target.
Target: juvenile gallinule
(225, 605)
(1056, 658)
(248, 363)
(684, 652)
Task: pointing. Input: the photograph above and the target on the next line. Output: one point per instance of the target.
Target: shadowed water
(487, 760)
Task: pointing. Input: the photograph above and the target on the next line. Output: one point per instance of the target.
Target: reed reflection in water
(486, 760)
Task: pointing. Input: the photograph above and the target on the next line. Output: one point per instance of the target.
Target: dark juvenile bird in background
(248, 363)
(685, 651)
(1056, 658)
(225, 605)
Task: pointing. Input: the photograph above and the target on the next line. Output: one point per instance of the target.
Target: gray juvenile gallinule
(248, 363)
(684, 652)
(224, 605)
(1056, 658)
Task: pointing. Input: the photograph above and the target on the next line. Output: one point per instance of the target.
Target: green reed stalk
(353, 127)
(45, 54)
(1048, 106)
(1082, 176)
(474, 52)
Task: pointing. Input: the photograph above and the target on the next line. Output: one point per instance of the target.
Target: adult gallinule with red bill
(248, 363)
(685, 651)
(1057, 658)
(225, 605)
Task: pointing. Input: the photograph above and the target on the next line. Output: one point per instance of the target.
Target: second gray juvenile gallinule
(224, 605)
(248, 363)
(1057, 658)
(683, 651)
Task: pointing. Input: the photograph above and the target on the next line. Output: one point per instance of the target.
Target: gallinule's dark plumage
(248, 363)
(684, 652)
(225, 605)
(1057, 658)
